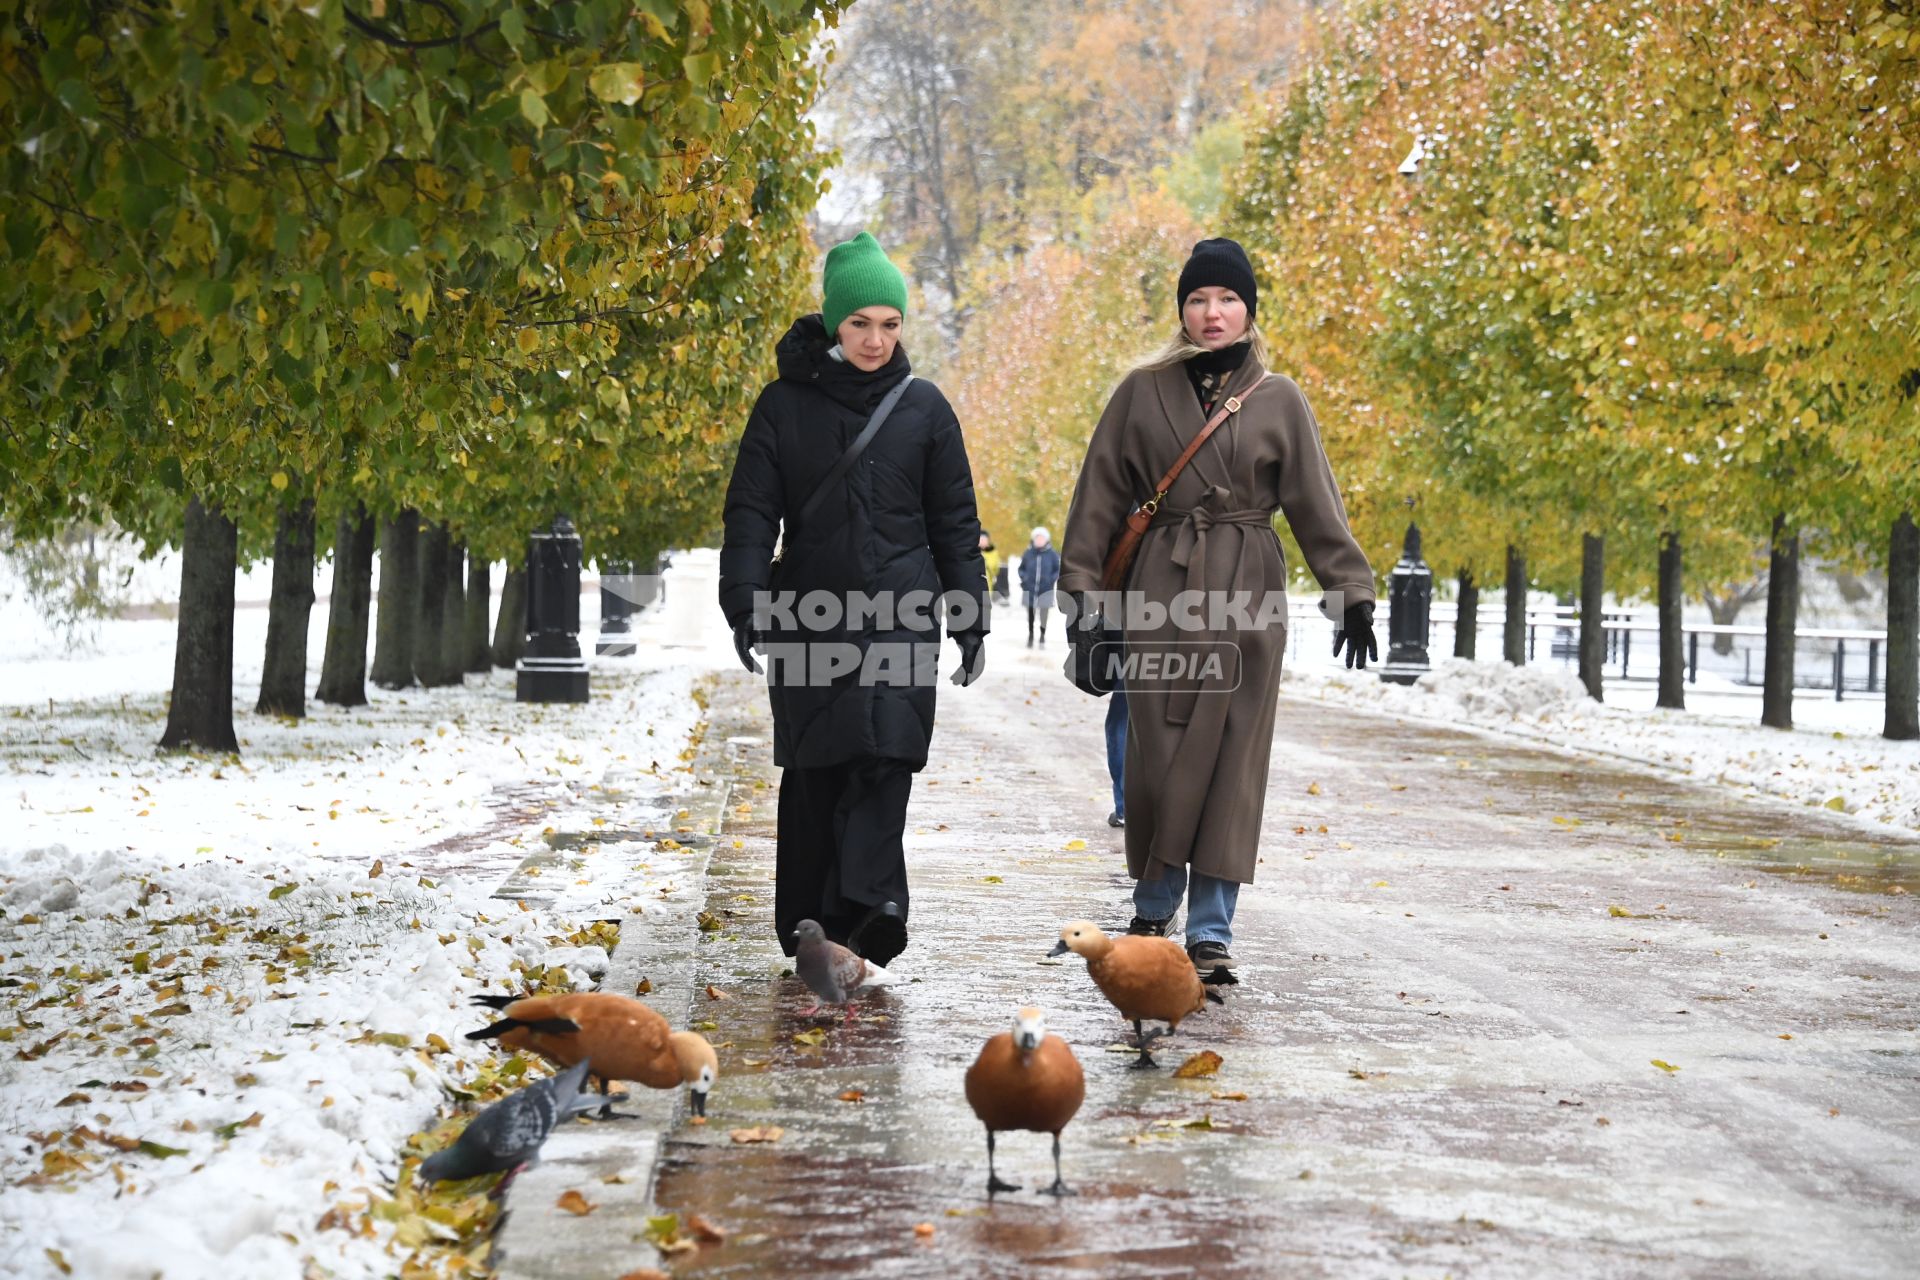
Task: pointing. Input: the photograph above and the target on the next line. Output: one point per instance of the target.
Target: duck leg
(993, 1179)
(1059, 1187)
(1145, 1041)
(606, 1091)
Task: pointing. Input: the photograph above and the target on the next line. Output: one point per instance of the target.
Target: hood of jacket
(803, 359)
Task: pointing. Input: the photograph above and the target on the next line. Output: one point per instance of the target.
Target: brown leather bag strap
(1228, 407)
(1120, 556)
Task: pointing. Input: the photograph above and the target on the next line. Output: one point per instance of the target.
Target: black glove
(973, 657)
(744, 638)
(1085, 632)
(1356, 633)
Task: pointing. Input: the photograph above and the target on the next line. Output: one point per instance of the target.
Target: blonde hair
(1181, 348)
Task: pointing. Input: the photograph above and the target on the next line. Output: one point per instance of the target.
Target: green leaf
(395, 236)
(151, 1148)
(240, 106)
(513, 26)
(213, 297)
(275, 894)
(78, 98)
(139, 204)
(621, 82)
(534, 108)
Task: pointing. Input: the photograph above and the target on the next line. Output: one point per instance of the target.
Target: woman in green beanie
(877, 547)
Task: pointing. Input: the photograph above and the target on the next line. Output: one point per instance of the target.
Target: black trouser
(1032, 611)
(840, 850)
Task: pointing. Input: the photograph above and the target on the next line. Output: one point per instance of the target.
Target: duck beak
(1060, 948)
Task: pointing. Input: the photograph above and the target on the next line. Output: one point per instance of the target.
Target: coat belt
(1190, 539)
(1190, 553)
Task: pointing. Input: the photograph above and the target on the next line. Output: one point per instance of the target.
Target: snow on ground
(1860, 774)
(219, 976)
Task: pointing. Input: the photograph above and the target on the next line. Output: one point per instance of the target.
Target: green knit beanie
(859, 275)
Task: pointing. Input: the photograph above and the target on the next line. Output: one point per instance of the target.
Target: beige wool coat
(1198, 748)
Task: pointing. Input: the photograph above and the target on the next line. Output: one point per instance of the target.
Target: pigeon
(1144, 977)
(624, 1038)
(830, 971)
(508, 1135)
(1026, 1079)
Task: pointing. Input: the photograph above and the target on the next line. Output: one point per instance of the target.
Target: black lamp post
(616, 610)
(1410, 602)
(1410, 586)
(552, 669)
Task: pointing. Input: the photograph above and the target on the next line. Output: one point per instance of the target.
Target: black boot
(880, 936)
(1145, 928)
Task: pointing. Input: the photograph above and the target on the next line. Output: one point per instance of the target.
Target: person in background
(1039, 571)
(1117, 754)
(991, 557)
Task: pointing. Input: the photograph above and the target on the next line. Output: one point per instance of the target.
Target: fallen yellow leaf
(760, 1133)
(1200, 1066)
(575, 1203)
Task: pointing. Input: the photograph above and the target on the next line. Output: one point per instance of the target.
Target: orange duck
(624, 1040)
(1026, 1079)
(1146, 978)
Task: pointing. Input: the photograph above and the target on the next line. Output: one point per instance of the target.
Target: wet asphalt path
(1460, 964)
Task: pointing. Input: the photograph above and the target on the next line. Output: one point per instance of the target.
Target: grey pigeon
(830, 971)
(508, 1134)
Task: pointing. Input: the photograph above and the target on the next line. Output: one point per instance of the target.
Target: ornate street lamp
(552, 669)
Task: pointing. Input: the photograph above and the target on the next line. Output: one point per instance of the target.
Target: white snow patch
(1871, 779)
(251, 1003)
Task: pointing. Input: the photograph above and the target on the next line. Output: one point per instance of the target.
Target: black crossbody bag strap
(854, 450)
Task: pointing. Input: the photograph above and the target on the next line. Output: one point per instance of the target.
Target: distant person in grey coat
(1039, 571)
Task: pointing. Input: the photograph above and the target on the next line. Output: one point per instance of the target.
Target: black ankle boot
(881, 935)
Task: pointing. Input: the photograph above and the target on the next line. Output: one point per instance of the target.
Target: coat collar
(1181, 409)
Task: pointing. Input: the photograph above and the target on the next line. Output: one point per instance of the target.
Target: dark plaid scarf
(1211, 372)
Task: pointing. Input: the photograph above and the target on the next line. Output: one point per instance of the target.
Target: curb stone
(613, 1163)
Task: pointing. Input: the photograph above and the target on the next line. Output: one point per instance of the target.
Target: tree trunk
(510, 631)
(283, 676)
(430, 604)
(478, 657)
(200, 713)
(1516, 634)
(453, 617)
(1673, 655)
(343, 670)
(1783, 615)
(393, 637)
(1903, 630)
(1593, 631)
(1466, 626)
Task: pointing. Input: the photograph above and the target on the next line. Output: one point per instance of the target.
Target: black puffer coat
(903, 521)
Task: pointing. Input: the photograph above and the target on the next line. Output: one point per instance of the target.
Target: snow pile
(1489, 691)
(1866, 776)
(202, 1060)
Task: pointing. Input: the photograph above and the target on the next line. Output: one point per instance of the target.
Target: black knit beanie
(1221, 263)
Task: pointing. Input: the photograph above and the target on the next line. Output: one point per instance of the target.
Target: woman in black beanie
(1198, 745)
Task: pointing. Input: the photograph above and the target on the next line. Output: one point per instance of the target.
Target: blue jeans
(1117, 748)
(1209, 906)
